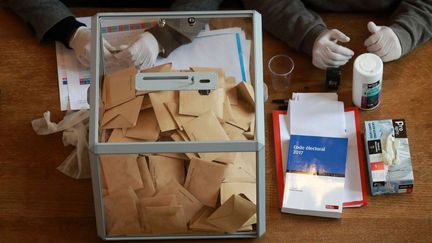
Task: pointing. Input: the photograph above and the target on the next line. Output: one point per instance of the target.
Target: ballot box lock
(191, 21)
(161, 23)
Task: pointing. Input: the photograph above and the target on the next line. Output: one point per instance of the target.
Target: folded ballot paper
(316, 160)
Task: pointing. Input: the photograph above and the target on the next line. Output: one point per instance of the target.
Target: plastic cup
(281, 68)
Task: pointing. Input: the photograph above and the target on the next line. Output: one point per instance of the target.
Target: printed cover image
(324, 156)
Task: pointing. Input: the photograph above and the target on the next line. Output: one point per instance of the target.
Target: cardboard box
(388, 157)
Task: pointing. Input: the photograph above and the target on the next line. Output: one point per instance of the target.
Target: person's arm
(413, 23)
(290, 21)
(177, 32)
(50, 19)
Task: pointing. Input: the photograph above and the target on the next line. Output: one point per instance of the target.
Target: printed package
(388, 157)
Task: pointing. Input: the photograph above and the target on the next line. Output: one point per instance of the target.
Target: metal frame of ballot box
(97, 148)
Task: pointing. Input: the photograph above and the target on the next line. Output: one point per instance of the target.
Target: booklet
(355, 183)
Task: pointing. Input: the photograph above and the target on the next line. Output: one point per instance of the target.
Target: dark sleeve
(290, 21)
(42, 15)
(177, 32)
(413, 23)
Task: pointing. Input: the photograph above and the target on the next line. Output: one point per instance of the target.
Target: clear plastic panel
(173, 78)
(178, 194)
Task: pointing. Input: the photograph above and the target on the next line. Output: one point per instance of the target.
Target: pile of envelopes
(169, 193)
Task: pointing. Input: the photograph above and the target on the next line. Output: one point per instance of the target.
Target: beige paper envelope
(179, 119)
(180, 136)
(165, 219)
(243, 115)
(175, 155)
(199, 221)
(164, 169)
(190, 204)
(120, 171)
(148, 188)
(243, 169)
(104, 135)
(246, 92)
(228, 113)
(207, 128)
(165, 121)
(146, 102)
(231, 89)
(251, 133)
(232, 188)
(192, 103)
(161, 68)
(233, 214)
(203, 180)
(183, 135)
(118, 137)
(119, 87)
(158, 200)
(232, 131)
(147, 127)
(122, 116)
(121, 214)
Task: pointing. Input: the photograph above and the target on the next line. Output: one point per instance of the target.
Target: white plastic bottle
(367, 81)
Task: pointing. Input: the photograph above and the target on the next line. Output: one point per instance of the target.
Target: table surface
(38, 203)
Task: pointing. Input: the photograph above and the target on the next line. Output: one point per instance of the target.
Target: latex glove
(327, 53)
(80, 42)
(383, 42)
(142, 52)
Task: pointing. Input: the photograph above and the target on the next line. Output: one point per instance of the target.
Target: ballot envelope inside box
(177, 142)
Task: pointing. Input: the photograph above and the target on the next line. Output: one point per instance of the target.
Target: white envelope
(325, 118)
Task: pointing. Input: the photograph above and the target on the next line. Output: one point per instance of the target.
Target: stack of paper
(315, 178)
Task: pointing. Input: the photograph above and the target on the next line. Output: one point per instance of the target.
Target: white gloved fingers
(372, 27)
(84, 60)
(331, 63)
(338, 36)
(80, 43)
(374, 38)
(335, 56)
(381, 52)
(374, 47)
(340, 50)
(319, 64)
(108, 46)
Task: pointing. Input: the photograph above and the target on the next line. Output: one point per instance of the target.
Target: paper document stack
(315, 172)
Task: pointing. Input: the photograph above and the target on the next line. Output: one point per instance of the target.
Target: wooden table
(38, 203)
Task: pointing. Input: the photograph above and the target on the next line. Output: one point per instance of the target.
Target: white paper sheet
(323, 118)
(353, 187)
(224, 48)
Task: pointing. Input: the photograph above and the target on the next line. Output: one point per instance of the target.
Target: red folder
(279, 163)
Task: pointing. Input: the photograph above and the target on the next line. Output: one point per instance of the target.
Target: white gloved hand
(383, 42)
(80, 42)
(142, 52)
(327, 53)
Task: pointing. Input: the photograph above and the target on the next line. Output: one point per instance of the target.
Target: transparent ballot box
(177, 125)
